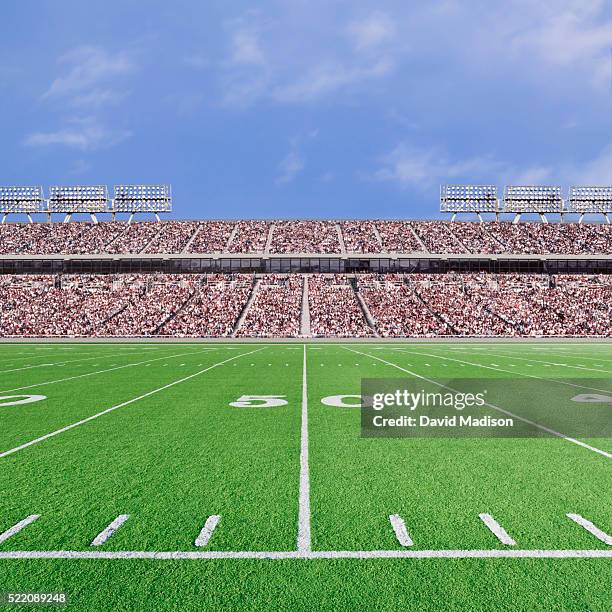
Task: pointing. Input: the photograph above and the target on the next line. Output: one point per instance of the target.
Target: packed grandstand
(41, 296)
(305, 237)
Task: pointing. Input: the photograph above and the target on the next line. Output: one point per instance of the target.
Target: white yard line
(497, 530)
(304, 537)
(498, 369)
(399, 527)
(592, 529)
(207, 531)
(498, 408)
(565, 365)
(131, 401)
(110, 530)
(323, 554)
(576, 355)
(49, 365)
(18, 527)
(127, 365)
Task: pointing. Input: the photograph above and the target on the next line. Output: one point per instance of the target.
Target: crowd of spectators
(334, 308)
(457, 300)
(173, 237)
(444, 237)
(214, 309)
(275, 310)
(396, 309)
(152, 300)
(305, 237)
(271, 306)
(135, 238)
(437, 237)
(249, 237)
(398, 237)
(475, 237)
(211, 236)
(75, 305)
(360, 237)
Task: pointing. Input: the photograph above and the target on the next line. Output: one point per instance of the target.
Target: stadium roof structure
(142, 199)
(590, 200)
(71, 199)
(469, 199)
(21, 199)
(540, 199)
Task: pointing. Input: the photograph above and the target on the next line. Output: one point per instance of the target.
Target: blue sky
(306, 108)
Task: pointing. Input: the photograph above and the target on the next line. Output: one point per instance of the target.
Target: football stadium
(306, 306)
(181, 404)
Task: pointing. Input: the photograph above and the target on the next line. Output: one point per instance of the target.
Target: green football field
(148, 476)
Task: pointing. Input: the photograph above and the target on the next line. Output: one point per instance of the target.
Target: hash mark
(207, 531)
(399, 527)
(497, 530)
(18, 527)
(104, 535)
(592, 529)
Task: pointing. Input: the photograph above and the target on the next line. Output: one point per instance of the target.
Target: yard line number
(273, 401)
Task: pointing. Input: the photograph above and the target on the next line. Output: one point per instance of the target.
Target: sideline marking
(110, 530)
(496, 529)
(127, 365)
(207, 530)
(59, 363)
(18, 527)
(304, 538)
(549, 363)
(523, 374)
(401, 533)
(131, 401)
(503, 410)
(592, 529)
(322, 554)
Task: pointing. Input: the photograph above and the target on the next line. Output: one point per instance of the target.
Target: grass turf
(175, 457)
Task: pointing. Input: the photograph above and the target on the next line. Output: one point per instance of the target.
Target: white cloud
(293, 163)
(324, 79)
(269, 63)
(246, 48)
(98, 98)
(85, 134)
(290, 167)
(376, 29)
(570, 34)
(90, 83)
(425, 168)
(88, 67)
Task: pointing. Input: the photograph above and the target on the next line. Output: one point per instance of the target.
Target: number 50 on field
(273, 401)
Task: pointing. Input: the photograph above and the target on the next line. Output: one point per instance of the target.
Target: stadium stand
(211, 236)
(334, 308)
(250, 237)
(233, 296)
(305, 237)
(275, 309)
(412, 305)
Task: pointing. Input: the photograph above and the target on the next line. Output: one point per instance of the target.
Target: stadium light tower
(469, 199)
(90, 199)
(533, 199)
(24, 200)
(142, 198)
(590, 200)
